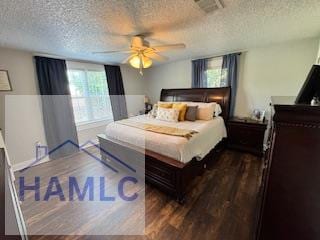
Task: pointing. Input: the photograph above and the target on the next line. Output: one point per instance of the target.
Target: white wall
(26, 128)
(278, 70)
(21, 73)
(135, 89)
(170, 75)
(264, 72)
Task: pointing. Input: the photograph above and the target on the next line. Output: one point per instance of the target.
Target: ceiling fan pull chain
(141, 64)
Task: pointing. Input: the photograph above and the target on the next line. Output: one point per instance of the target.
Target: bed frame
(168, 174)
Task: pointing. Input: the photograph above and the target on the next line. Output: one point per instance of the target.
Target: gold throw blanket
(159, 128)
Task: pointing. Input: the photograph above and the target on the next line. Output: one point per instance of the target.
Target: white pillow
(168, 114)
(205, 112)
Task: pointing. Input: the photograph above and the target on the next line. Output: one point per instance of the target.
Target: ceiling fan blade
(156, 56)
(112, 52)
(128, 58)
(168, 47)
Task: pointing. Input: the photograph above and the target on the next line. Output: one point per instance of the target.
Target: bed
(172, 162)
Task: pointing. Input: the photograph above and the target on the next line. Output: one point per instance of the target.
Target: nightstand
(246, 135)
(148, 107)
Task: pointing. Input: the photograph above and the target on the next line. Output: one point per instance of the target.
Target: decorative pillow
(153, 112)
(205, 112)
(167, 114)
(165, 104)
(216, 106)
(182, 107)
(191, 113)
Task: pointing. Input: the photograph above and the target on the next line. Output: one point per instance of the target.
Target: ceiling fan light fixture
(135, 62)
(142, 54)
(146, 62)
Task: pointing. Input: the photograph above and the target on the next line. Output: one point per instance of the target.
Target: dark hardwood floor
(221, 205)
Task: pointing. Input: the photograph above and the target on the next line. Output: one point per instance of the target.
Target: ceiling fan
(141, 53)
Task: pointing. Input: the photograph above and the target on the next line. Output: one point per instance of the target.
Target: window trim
(93, 124)
(87, 124)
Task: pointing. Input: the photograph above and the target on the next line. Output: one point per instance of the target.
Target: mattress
(210, 133)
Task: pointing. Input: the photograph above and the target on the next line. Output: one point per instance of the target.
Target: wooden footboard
(170, 175)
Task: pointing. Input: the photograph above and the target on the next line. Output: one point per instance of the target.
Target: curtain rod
(220, 55)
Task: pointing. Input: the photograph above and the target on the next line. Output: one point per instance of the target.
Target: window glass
(90, 96)
(215, 74)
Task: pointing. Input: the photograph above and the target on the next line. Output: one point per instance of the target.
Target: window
(215, 74)
(90, 97)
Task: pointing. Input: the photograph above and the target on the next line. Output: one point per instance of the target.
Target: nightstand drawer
(246, 136)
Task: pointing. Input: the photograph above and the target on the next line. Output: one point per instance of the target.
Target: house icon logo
(42, 152)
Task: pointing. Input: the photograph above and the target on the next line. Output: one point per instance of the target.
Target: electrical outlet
(40, 150)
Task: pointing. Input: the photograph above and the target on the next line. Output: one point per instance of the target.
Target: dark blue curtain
(230, 76)
(116, 92)
(199, 76)
(57, 109)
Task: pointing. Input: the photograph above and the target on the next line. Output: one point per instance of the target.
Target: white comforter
(209, 134)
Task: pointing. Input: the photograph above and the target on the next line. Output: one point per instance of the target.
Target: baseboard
(22, 165)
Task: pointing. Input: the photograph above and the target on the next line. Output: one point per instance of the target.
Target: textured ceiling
(75, 28)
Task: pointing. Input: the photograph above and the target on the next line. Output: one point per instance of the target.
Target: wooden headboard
(218, 95)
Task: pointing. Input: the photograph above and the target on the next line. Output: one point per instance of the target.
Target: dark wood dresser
(290, 206)
(246, 135)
